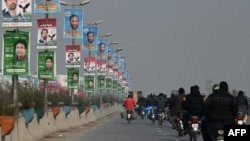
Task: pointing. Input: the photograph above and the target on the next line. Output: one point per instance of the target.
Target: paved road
(113, 128)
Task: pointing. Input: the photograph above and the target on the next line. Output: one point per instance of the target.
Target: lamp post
(105, 35)
(82, 3)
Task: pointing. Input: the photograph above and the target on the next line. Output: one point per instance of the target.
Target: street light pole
(82, 3)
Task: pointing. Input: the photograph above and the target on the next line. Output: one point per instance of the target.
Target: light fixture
(95, 23)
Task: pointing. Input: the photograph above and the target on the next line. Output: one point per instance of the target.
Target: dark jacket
(242, 103)
(161, 102)
(220, 107)
(151, 100)
(141, 101)
(175, 104)
(193, 103)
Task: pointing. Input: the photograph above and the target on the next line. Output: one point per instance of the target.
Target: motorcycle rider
(204, 131)
(129, 103)
(161, 102)
(242, 105)
(220, 109)
(193, 103)
(141, 102)
(175, 106)
(151, 102)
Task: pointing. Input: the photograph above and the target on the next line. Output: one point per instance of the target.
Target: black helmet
(181, 90)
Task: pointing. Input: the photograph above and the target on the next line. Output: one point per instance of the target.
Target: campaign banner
(47, 6)
(102, 49)
(73, 78)
(73, 23)
(111, 53)
(89, 65)
(16, 53)
(47, 33)
(114, 85)
(20, 15)
(73, 56)
(90, 38)
(109, 71)
(46, 64)
(101, 67)
(101, 81)
(108, 82)
(89, 84)
(115, 74)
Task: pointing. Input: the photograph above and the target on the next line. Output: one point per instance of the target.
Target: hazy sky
(173, 43)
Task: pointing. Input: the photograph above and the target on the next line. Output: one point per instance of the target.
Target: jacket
(129, 103)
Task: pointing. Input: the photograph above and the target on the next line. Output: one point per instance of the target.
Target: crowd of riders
(214, 110)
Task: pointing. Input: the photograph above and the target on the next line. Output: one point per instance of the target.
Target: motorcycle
(179, 124)
(167, 117)
(219, 136)
(160, 116)
(129, 115)
(150, 112)
(142, 112)
(194, 128)
(239, 118)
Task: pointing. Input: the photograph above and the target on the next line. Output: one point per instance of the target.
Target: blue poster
(102, 49)
(73, 23)
(90, 38)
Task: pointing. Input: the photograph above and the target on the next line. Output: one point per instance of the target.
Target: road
(113, 128)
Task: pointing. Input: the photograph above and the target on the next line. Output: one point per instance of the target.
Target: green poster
(16, 53)
(123, 89)
(101, 81)
(46, 64)
(89, 83)
(73, 78)
(119, 87)
(108, 83)
(114, 86)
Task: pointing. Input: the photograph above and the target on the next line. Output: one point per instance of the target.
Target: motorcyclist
(141, 102)
(204, 130)
(193, 103)
(150, 103)
(175, 106)
(242, 105)
(129, 103)
(220, 109)
(161, 102)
